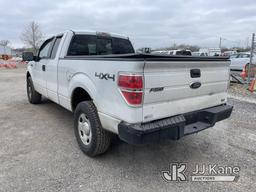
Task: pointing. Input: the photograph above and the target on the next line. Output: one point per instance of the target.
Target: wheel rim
(29, 89)
(84, 129)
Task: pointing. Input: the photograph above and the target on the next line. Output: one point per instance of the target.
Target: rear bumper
(173, 127)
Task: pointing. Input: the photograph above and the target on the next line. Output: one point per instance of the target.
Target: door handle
(195, 73)
(43, 67)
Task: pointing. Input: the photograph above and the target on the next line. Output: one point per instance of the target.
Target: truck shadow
(155, 156)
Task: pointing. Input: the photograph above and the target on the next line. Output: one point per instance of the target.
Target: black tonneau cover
(148, 57)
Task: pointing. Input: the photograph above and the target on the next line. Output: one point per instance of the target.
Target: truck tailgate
(177, 87)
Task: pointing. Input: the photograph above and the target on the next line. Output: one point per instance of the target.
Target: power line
(238, 43)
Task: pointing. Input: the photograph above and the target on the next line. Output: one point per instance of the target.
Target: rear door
(177, 87)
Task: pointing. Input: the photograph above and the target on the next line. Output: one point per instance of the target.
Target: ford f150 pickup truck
(142, 98)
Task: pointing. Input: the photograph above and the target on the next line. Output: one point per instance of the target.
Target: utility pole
(220, 43)
(247, 42)
(251, 57)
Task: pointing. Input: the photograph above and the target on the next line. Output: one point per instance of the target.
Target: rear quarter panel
(105, 93)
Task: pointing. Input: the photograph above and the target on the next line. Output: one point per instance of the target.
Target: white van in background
(173, 52)
(229, 53)
(210, 52)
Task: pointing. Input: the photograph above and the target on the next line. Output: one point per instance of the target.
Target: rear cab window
(122, 46)
(84, 45)
(104, 46)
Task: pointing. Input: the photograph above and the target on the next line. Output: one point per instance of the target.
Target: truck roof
(87, 32)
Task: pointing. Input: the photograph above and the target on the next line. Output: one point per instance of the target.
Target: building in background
(5, 50)
(18, 52)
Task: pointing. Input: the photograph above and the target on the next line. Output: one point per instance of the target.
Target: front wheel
(91, 137)
(33, 96)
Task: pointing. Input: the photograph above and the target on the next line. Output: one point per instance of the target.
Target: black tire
(33, 96)
(100, 139)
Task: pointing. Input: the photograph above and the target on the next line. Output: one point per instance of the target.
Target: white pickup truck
(142, 98)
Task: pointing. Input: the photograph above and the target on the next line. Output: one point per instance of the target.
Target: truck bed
(167, 82)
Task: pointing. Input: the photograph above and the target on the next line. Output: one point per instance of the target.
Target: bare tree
(4, 43)
(32, 36)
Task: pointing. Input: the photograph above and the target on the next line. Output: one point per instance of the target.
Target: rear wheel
(91, 137)
(33, 96)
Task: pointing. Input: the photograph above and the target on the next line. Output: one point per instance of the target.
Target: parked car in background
(199, 54)
(195, 53)
(144, 50)
(239, 60)
(210, 51)
(229, 53)
(173, 52)
(240, 66)
(17, 59)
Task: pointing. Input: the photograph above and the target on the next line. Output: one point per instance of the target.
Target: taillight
(130, 81)
(133, 98)
(131, 86)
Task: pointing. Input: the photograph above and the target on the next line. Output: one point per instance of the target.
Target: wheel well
(79, 95)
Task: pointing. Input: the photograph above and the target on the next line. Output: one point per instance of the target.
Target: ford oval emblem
(195, 85)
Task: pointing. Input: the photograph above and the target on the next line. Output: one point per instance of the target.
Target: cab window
(45, 49)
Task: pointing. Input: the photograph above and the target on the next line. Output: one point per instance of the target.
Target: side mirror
(27, 56)
(36, 58)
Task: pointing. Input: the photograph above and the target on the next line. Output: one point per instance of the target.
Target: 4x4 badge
(105, 76)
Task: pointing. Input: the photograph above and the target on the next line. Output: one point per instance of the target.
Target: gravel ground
(241, 92)
(38, 150)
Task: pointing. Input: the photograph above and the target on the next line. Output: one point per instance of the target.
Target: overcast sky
(157, 23)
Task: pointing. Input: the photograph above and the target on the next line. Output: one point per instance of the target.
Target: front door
(51, 71)
(40, 66)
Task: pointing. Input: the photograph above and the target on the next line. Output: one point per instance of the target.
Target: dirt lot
(38, 150)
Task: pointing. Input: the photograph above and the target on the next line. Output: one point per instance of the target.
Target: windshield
(233, 56)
